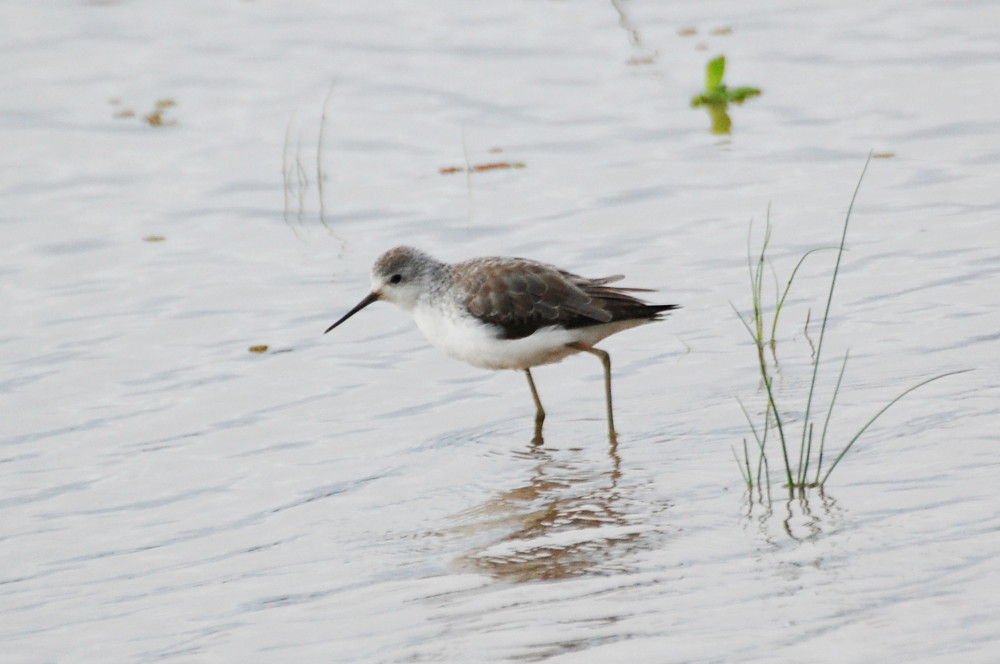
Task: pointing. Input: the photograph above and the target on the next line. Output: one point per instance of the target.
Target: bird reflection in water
(573, 517)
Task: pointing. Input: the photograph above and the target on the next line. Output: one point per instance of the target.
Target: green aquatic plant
(797, 474)
(717, 96)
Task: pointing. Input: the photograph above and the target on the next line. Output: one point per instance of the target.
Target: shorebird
(508, 313)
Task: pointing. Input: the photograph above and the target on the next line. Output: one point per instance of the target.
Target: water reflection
(802, 515)
(572, 516)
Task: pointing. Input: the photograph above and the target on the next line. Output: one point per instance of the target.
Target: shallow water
(169, 496)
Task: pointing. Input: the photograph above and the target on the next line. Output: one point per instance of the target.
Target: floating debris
(642, 60)
(124, 113)
(483, 167)
(717, 96)
(155, 117)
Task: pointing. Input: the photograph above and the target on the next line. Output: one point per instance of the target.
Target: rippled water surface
(184, 180)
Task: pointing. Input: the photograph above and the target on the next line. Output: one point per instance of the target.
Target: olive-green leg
(539, 411)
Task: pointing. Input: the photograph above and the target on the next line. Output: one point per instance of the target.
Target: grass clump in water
(799, 473)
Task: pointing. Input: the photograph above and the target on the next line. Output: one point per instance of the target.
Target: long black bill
(371, 297)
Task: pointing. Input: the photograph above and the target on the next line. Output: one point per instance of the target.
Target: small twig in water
(320, 174)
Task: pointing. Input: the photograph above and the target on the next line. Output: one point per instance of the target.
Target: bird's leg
(539, 412)
(606, 361)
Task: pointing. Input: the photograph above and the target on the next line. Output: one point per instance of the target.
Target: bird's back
(520, 296)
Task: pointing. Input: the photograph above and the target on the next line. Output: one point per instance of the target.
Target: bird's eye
(395, 279)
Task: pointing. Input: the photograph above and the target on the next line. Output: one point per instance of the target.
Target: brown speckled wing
(520, 296)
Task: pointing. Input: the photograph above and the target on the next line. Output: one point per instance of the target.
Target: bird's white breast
(466, 338)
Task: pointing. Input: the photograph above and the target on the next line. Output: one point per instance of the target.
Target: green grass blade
(829, 299)
(829, 413)
(762, 465)
(804, 458)
(781, 430)
(747, 477)
(788, 287)
(879, 414)
(753, 429)
(744, 321)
